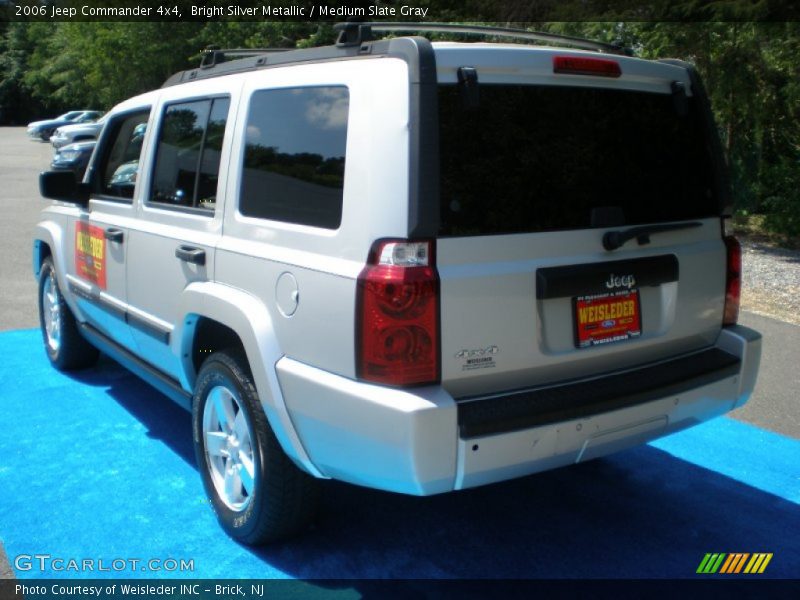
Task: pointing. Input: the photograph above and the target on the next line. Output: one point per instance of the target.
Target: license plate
(607, 318)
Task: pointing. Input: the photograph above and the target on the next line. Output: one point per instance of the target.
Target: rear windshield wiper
(616, 239)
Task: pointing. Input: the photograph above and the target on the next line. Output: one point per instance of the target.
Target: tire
(234, 445)
(65, 346)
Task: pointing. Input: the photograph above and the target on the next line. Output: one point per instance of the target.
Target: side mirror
(63, 186)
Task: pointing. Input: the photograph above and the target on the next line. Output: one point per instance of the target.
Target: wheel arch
(41, 251)
(215, 314)
(209, 336)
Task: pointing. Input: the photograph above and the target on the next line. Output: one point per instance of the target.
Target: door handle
(191, 254)
(112, 234)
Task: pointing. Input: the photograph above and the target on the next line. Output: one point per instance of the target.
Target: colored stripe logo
(734, 563)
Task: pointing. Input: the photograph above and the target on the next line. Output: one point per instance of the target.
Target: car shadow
(641, 513)
(164, 419)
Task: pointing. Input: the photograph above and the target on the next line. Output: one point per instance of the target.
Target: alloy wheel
(228, 442)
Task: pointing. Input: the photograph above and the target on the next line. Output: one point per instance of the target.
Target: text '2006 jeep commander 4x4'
(414, 266)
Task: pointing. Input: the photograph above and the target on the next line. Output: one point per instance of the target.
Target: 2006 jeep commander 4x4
(414, 266)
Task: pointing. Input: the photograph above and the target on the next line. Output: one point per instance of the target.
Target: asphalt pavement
(5, 569)
(775, 405)
(21, 161)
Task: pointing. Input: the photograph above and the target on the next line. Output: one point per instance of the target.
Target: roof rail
(213, 56)
(215, 64)
(355, 40)
(354, 33)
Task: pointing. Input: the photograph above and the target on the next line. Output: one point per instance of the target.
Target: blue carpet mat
(99, 465)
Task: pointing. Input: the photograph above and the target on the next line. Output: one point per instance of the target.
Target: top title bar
(505, 11)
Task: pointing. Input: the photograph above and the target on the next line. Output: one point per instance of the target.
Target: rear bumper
(423, 441)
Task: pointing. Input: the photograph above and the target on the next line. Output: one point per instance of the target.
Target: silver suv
(418, 267)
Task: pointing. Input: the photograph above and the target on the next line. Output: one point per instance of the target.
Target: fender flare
(47, 232)
(246, 315)
(51, 233)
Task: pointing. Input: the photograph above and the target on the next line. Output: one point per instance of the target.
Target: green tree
(752, 74)
(751, 70)
(18, 42)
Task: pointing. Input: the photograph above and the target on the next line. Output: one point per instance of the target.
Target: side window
(294, 156)
(119, 163)
(188, 154)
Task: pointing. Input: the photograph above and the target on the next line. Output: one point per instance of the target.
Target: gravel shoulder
(771, 281)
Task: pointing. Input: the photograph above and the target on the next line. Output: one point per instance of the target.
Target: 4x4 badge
(615, 281)
(479, 358)
(477, 352)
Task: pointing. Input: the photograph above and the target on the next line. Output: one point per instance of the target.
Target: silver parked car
(78, 132)
(418, 267)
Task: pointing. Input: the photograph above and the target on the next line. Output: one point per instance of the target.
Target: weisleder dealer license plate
(607, 318)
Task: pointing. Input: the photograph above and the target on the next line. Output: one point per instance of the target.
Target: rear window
(543, 158)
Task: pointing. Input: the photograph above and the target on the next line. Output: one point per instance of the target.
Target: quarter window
(294, 156)
(188, 155)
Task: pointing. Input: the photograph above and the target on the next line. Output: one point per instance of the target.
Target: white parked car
(80, 132)
(418, 267)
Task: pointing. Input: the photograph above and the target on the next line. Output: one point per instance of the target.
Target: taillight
(733, 280)
(581, 65)
(397, 340)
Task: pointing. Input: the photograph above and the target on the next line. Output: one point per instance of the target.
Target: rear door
(179, 222)
(534, 176)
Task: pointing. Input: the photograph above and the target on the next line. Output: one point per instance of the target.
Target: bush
(780, 194)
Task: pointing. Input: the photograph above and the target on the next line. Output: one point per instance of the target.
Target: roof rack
(215, 64)
(355, 33)
(355, 40)
(213, 56)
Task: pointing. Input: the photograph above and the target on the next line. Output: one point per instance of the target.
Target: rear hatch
(537, 168)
